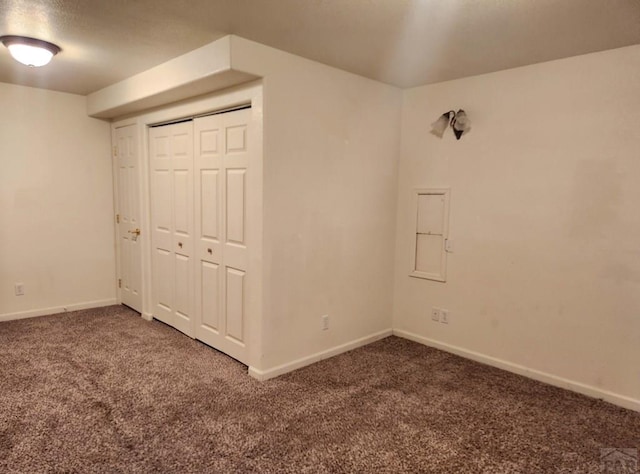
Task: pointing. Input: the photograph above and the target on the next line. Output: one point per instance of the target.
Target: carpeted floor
(104, 391)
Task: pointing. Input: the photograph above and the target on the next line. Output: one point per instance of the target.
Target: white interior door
(128, 218)
(222, 161)
(171, 165)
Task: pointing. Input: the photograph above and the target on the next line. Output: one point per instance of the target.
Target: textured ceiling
(401, 42)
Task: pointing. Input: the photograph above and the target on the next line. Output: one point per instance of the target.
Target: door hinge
(117, 218)
(115, 150)
(119, 282)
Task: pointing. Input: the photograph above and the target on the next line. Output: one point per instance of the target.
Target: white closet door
(171, 165)
(208, 155)
(222, 161)
(130, 275)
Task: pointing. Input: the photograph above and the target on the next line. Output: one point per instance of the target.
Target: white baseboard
(147, 316)
(57, 309)
(589, 390)
(318, 356)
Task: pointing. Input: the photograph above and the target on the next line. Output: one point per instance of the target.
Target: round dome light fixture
(30, 51)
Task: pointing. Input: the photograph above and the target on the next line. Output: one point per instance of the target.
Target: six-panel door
(222, 159)
(130, 277)
(171, 167)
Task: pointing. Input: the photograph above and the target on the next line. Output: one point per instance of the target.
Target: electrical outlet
(19, 289)
(435, 314)
(444, 316)
(325, 322)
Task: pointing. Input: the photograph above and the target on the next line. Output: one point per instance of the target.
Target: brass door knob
(180, 244)
(137, 231)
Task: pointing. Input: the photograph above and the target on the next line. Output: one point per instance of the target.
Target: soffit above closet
(401, 42)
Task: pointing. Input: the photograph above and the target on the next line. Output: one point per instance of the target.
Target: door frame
(249, 93)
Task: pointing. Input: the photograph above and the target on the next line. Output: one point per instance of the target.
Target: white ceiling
(401, 42)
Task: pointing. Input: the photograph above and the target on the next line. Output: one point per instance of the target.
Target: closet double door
(199, 196)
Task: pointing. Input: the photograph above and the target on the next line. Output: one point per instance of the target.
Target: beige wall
(56, 206)
(330, 171)
(545, 274)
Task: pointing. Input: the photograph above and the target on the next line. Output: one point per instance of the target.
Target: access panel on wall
(199, 196)
(429, 256)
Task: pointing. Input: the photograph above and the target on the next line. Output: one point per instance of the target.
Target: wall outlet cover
(325, 322)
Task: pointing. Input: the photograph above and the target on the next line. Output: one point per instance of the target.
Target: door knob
(180, 244)
(136, 234)
(210, 251)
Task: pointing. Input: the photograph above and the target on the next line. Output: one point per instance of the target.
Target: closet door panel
(161, 188)
(163, 285)
(234, 313)
(171, 176)
(208, 214)
(182, 144)
(161, 225)
(181, 202)
(210, 296)
(208, 143)
(183, 294)
(209, 192)
(182, 164)
(236, 166)
(183, 209)
(207, 161)
(235, 206)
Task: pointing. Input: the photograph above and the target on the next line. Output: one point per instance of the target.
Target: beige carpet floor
(104, 391)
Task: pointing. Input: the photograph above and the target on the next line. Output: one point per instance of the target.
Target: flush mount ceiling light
(30, 51)
(458, 120)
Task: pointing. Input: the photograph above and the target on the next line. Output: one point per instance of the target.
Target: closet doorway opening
(204, 225)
